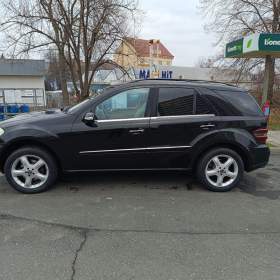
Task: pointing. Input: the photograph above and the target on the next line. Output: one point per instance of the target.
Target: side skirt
(140, 169)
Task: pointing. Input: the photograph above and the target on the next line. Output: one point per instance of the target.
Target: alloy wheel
(221, 170)
(30, 171)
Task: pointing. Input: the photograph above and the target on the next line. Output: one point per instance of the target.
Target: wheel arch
(15, 145)
(235, 147)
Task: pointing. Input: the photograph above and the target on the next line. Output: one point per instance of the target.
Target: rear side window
(203, 107)
(175, 102)
(238, 104)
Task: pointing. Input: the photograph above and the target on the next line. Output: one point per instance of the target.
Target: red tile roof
(142, 48)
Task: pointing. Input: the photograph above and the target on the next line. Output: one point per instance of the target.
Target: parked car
(215, 130)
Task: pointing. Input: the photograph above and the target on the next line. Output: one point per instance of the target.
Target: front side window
(125, 105)
(175, 101)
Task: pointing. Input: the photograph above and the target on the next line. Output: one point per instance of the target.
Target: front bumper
(259, 157)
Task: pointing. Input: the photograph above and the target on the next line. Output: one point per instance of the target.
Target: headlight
(1, 131)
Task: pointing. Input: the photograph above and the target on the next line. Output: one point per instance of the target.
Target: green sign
(269, 42)
(234, 48)
(255, 45)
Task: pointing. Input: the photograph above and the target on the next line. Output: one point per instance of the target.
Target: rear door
(180, 114)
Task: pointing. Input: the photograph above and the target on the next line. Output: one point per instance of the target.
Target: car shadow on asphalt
(262, 183)
(124, 179)
(255, 183)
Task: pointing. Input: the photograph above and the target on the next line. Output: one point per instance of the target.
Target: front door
(180, 115)
(118, 137)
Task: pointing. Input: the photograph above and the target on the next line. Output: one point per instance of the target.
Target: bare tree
(84, 33)
(53, 67)
(231, 19)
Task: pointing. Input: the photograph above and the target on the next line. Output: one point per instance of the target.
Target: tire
(220, 169)
(30, 170)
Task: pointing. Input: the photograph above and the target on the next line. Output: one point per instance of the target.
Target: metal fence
(17, 101)
(54, 99)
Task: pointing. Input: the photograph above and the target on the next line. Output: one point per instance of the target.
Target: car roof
(180, 82)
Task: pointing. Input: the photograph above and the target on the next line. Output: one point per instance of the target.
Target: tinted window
(175, 101)
(125, 105)
(203, 107)
(239, 103)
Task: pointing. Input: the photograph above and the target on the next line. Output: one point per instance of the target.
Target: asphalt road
(143, 226)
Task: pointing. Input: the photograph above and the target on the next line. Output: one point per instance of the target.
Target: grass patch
(270, 145)
(274, 126)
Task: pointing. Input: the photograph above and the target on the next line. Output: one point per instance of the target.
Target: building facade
(22, 82)
(140, 53)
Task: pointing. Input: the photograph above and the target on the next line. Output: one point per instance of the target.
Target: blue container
(13, 109)
(24, 108)
(1, 109)
(2, 117)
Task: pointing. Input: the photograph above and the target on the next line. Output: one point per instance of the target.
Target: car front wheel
(30, 170)
(220, 169)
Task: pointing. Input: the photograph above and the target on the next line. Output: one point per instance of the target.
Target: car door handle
(137, 131)
(207, 126)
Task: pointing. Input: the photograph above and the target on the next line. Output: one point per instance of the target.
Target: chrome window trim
(122, 120)
(135, 149)
(156, 118)
(182, 116)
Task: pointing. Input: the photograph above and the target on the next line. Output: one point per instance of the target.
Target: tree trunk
(85, 93)
(63, 80)
(268, 79)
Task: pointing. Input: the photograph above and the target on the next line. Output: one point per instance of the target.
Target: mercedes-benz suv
(214, 130)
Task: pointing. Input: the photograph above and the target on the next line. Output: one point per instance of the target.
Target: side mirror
(89, 117)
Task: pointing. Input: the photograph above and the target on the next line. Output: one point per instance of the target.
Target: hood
(31, 117)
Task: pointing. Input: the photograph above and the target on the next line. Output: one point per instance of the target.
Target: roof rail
(184, 80)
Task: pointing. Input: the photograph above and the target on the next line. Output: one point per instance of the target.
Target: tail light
(261, 135)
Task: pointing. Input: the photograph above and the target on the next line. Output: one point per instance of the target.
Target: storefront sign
(145, 74)
(234, 48)
(255, 45)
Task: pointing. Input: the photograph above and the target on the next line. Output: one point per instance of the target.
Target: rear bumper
(259, 157)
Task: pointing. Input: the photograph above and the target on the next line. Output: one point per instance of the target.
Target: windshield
(76, 107)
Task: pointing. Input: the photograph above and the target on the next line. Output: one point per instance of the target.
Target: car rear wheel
(30, 170)
(220, 169)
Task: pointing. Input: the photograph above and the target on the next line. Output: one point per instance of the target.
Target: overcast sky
(178, 24)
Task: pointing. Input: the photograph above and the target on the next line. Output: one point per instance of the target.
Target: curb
(275, 149)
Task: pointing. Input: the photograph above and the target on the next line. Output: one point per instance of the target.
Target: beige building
(22, 81)
(136, 54)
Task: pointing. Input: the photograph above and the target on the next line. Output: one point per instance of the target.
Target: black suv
(213, 129)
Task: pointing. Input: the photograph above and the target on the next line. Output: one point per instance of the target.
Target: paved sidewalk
(274, 138)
